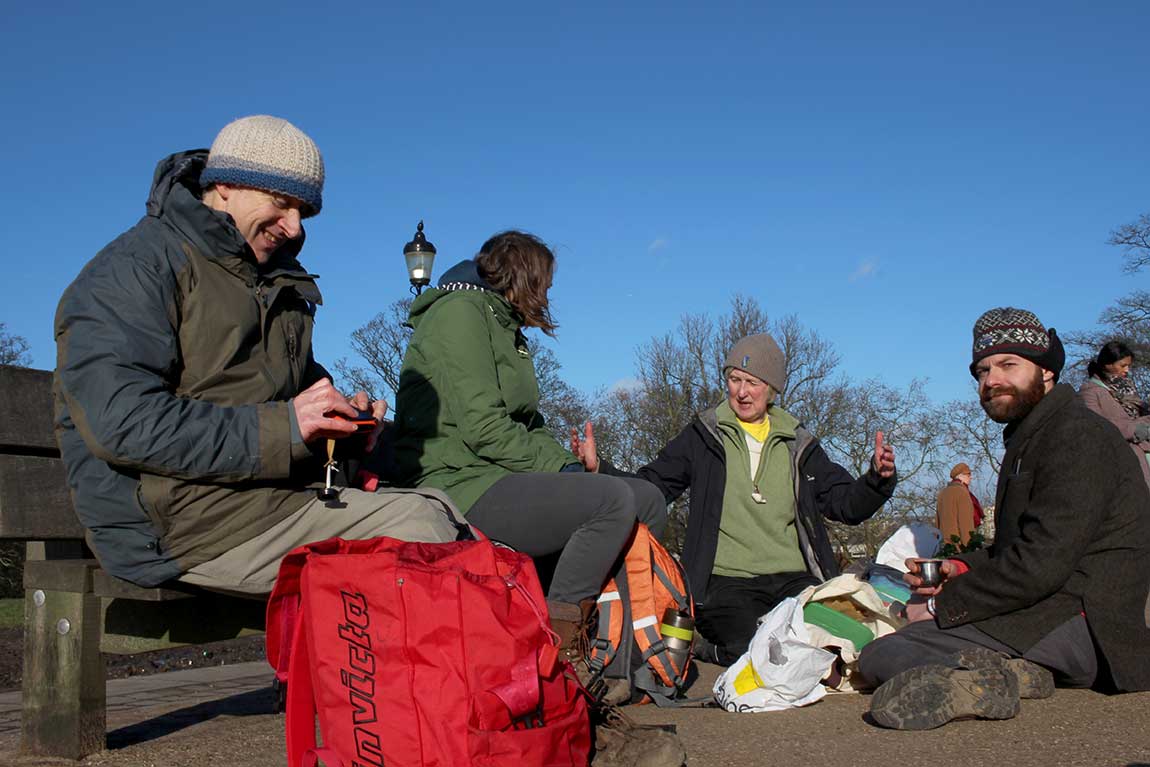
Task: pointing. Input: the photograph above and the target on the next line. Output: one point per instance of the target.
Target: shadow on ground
(255, 703)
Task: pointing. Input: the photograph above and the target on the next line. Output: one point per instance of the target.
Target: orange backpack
(631, 641)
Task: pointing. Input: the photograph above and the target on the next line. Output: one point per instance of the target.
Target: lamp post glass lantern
(420, 255)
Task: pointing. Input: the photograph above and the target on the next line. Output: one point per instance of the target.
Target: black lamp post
(420, 255)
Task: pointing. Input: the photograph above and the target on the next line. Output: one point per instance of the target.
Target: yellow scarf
(757, 430)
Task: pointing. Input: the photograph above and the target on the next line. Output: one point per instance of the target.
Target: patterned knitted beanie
(1007, 330)
(760, 356)
(267, 153)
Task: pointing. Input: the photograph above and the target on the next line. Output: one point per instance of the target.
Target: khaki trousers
(423, 515)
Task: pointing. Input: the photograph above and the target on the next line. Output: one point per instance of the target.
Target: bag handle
(330, 758)
(301, 707)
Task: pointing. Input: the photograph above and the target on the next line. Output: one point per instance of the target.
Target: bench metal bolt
(38, 598)
(63, 626)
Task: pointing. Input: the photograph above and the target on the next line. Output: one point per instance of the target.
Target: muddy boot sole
(926, 697)
(1034, 681)
(619, 742)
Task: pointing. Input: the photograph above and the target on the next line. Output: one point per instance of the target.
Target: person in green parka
(468, 423)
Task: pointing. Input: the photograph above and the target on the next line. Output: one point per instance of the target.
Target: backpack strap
(610, 632)
(301, 707)
(313, 756)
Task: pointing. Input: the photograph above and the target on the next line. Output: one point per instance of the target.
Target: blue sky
(887, 171)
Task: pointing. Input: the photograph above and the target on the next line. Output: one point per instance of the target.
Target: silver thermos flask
(678, 632)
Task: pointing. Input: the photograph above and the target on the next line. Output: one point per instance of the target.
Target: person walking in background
(958, 512)
(1110, 393)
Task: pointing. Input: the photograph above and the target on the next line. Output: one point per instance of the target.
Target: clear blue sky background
(885, 170)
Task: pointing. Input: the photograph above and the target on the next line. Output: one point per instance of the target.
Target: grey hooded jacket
(176, 358)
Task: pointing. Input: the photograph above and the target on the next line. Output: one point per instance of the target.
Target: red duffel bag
(435, 654)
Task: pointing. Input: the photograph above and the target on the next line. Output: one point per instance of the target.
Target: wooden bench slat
(109, 586)
(70, 575)
(131, 626)
(34, 500)
(26, 409)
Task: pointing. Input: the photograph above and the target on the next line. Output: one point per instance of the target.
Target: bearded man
(1063, 594)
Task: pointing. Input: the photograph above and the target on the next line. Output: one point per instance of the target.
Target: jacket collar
(708, 422)
(177, 198)
(464, 278)
(1019, 432)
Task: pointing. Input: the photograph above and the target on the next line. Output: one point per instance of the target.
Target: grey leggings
(586, 516)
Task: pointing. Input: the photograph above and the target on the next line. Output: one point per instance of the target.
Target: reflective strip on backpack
(643, 623)
(610, 631)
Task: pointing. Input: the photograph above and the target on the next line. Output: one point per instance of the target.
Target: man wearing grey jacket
(1063, 594)
(188, 400)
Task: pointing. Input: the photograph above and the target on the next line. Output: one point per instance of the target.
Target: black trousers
(730, 612)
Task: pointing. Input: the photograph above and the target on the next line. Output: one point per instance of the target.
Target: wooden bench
(73, 610)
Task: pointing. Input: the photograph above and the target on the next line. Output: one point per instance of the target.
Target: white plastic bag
(867, 610)
(780, 670)
(914, 541)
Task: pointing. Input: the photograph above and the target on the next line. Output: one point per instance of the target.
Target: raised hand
(882, 463)
(584, 447)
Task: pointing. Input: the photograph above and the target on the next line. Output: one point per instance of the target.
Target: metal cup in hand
(930, 571)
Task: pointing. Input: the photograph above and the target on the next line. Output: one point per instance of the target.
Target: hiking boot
(926, 697)
(619, 742)
(1034, 681)
(569, 622)
(575, 625)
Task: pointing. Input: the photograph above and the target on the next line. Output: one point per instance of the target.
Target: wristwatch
(930, 606)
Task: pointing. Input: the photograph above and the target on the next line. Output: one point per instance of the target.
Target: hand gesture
(584, 449)
(312, 408)
(882, 462)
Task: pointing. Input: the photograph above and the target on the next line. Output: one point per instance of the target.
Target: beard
(1017, 405)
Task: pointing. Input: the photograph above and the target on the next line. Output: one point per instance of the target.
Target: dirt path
(120, 666)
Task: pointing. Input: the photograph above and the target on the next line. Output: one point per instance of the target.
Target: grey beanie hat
(267, 153)
(1007, 330)
(760, 356)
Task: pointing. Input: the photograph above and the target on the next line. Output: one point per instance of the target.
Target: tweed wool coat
(1072, 518)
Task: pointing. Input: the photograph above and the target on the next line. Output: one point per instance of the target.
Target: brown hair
(520, 266)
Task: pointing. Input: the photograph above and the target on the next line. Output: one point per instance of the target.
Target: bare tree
(916, 429)
(1127, 320)
(381, 344)
(13, 349)
(1134, 240)
(561, 405)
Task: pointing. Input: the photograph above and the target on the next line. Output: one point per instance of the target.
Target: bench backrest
(34, 499)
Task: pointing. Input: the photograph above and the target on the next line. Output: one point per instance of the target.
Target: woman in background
(1110, 393)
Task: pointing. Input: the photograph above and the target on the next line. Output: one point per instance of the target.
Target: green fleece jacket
(757, 532)
(467, 409)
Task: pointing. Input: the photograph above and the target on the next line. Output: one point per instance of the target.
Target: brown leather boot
(576, 625)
